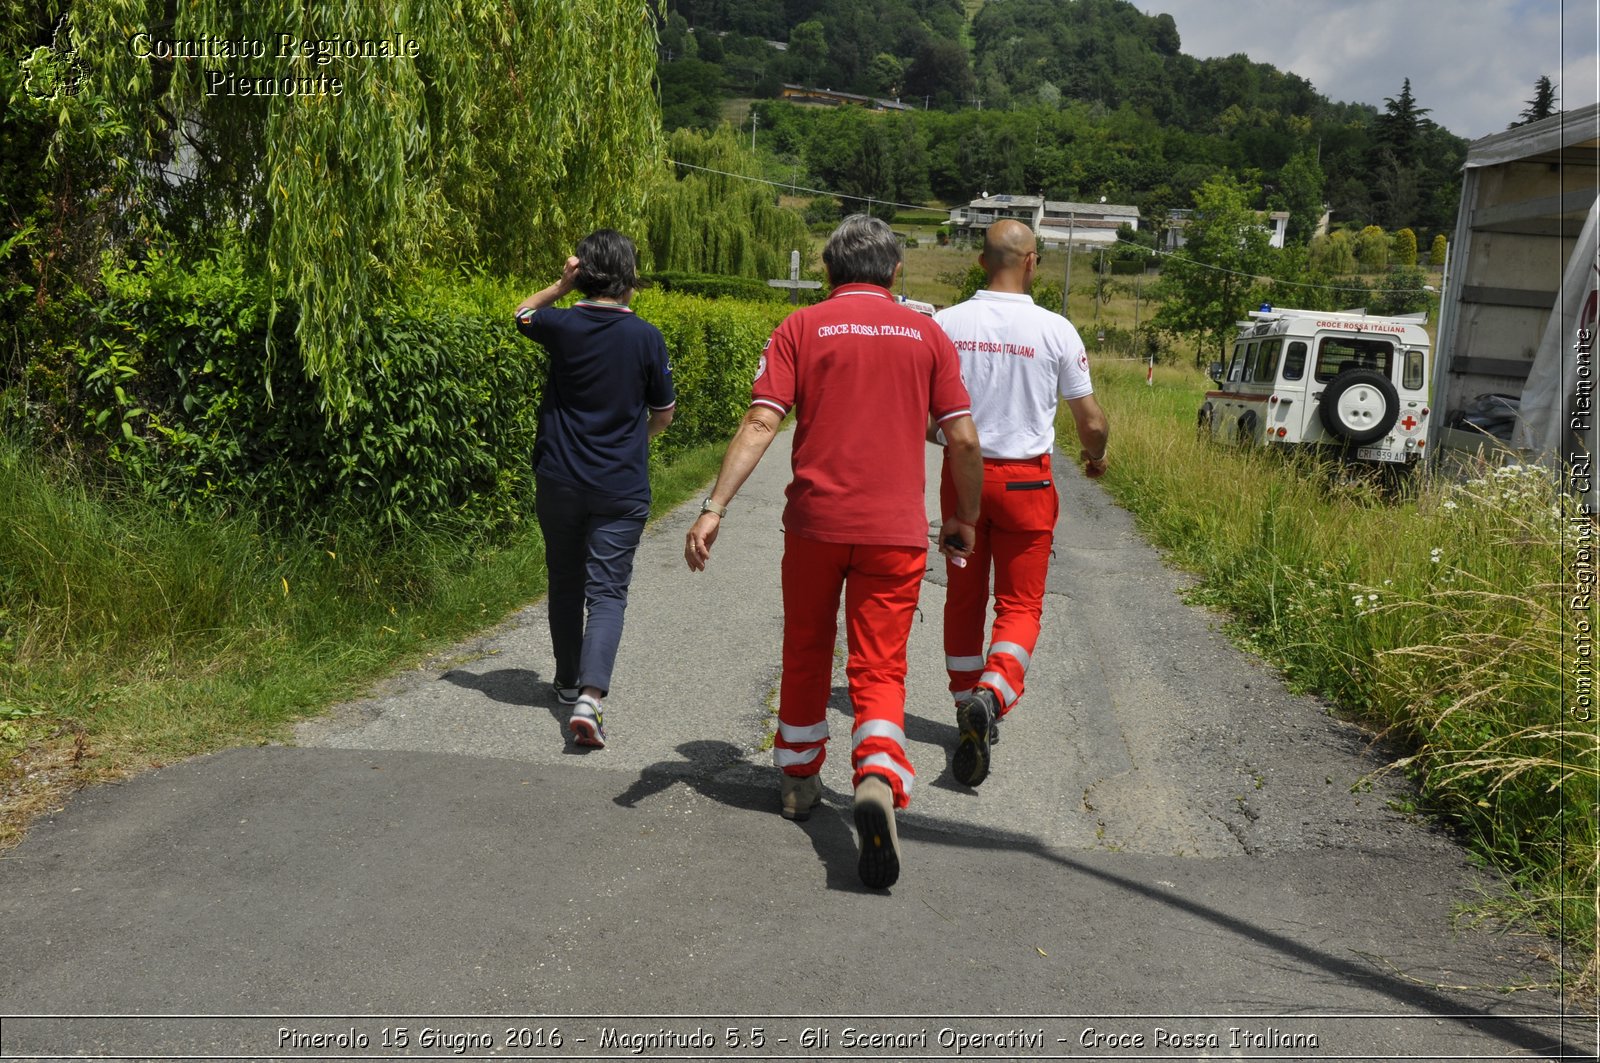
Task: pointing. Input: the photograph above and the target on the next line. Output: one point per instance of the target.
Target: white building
(1276, 222)
(1095, 224)
(1056, 222)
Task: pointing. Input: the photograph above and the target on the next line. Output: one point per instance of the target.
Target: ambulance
(1354, 383)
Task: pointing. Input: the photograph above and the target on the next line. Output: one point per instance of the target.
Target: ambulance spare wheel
(1359, 406)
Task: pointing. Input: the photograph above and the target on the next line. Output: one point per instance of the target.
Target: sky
(1472, 63)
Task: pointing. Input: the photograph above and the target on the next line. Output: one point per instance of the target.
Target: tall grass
(129, 636)
(1443, 617)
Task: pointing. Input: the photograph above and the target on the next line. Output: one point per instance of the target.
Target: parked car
(1350, 382)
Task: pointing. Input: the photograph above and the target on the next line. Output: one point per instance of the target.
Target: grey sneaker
(566, 695)
(588, 723)
(800, 794)
(975, 719)
(879, 866)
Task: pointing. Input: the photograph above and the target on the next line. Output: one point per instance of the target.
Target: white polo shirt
(1017, 360)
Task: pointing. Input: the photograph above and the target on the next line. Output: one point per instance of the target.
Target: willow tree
(711, 212)
(351, 143)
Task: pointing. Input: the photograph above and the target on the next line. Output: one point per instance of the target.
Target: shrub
(1403, 248)
(197, 400)
(1372, 249)
(714, 348)
(1401, 292)
(712, 286)
(187, 395)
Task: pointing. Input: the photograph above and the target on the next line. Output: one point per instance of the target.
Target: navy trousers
(589, 543)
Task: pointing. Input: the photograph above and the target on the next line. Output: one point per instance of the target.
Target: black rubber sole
(970, 764)
(879, 867)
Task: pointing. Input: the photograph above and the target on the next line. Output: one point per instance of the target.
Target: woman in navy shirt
(608, 390)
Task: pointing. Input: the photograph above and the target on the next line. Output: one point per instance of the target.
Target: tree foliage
(706, 218)
(1437, 253)
(1543, 104)
(1301, 183)
(508, 129)
(1333, 253)
(1207, 284)
(1372, 249)
(1083, 98)
(1403, 248)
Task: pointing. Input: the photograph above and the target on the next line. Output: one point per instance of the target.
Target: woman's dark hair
(607, 265)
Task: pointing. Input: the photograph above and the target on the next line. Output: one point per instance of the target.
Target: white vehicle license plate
(1380, 454)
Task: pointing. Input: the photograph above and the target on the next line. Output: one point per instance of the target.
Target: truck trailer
(1513, 368)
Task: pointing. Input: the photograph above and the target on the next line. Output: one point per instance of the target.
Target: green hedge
(713, 286)
(176, 370)
(714, 345)
(173, 383)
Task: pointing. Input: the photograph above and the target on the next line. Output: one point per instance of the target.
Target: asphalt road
(1173, 859)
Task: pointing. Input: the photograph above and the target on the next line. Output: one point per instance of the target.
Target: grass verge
(130, 638)
(1444, 619)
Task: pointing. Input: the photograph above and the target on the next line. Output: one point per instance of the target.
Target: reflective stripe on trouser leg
(880, 601)
(1020, 532)
(1007, 668)
(1001, 686)
(813, 575)
(797, 747)
(966, 601)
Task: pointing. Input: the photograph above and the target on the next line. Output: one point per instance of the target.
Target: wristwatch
(709, 506)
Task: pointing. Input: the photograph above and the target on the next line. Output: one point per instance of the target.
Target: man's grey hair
(862, 250)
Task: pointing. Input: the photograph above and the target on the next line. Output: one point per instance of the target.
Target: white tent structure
(1556, 421)
(1519, 282)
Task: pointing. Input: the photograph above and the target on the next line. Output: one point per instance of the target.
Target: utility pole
(753, 118)
(1099, 284)
(1066, 285)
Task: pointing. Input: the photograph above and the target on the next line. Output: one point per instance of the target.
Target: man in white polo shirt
(1017, 360)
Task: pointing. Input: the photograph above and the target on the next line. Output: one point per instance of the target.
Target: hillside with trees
(1074, 98)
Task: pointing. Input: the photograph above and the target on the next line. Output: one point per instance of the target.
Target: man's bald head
(1006, 244)
(1006, 247)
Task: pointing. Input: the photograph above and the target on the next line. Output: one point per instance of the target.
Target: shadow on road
(706, 762)
(520, 686)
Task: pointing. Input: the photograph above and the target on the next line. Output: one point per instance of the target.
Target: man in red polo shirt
(863, 376)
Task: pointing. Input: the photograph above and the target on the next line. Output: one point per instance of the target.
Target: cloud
(1472, 64)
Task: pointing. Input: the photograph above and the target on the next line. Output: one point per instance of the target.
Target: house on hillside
(1276, 222)
(975, 218)
(1056, 222)
(830, 98)
(1084, 223)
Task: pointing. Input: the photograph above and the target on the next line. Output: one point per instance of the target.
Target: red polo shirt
(862, 374)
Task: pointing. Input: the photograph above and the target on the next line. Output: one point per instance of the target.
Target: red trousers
(1015, 529)
(880, 586)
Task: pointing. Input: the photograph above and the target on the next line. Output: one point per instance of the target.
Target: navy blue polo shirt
(607, 369)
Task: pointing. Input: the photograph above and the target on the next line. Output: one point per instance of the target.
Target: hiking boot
(588, 723)
(879, 867)
(994, 728)
(975, 719)
(566, 695)
(801, 793)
